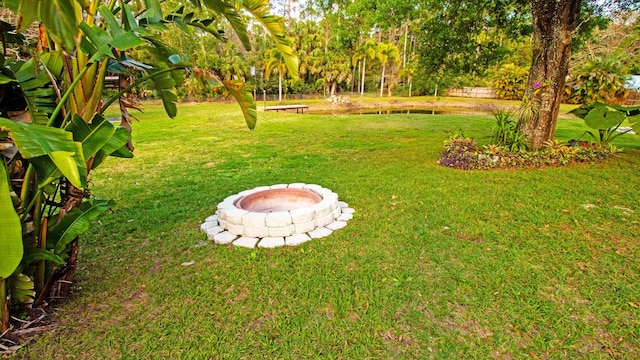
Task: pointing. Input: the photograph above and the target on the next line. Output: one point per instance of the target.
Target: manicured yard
(436, 263)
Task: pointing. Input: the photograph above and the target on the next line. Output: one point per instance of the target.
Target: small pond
(413, 110)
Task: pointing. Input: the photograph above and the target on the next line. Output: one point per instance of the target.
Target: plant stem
(26, 186)
(4, 309)
(40, 225)
(66, 95)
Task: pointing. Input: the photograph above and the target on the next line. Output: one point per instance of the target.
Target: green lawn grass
(436, 263)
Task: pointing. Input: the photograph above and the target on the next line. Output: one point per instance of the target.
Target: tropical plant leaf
(35, 141)
(245, 100)
(120, 138)
(75, 223)
(601, 117)
(60, 17)
(184, 21)
(629, 110)
(93, 136)
(634, 122)
(26, 9)
(5, 79)
(229, 11)
(36, 254)
(66, 162)
(115, 146)
(22, 289)
(207, 78)
(93, 88)
(130, 24)
(163, 84)
(11, 234)
(122, 152)
(36, 84)
(99, 39)
(120, 38)
(583, 110)
(153, 13)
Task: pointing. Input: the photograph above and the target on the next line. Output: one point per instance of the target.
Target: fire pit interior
(270, 216)
(278, 200)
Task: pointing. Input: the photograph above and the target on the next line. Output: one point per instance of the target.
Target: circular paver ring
(234, 225)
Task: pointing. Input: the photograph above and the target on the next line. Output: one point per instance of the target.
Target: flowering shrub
(463, 153)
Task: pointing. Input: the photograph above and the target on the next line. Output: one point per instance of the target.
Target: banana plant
(10, 240)
(47, 160)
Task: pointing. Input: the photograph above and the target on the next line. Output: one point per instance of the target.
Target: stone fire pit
(278, 215)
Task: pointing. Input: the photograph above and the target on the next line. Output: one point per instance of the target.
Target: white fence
(474, 92)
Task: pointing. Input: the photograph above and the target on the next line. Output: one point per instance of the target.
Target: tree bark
(279, 86)
(404, 50)
(554, 23)
(382, 79)
(364, 67)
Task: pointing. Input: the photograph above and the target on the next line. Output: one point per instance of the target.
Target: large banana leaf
(93, 136)
(231, 13)
(260, 11)
(121, 39)
(628, 110)
(75, 223)
(116, 146)
(33, 77)
(163, 84)
(11, 229)
(96, 42)
(36, 254)
(60, 18)
(100, 138)
(245, 100)
(183, 21)
(236, 89)
(49, 149)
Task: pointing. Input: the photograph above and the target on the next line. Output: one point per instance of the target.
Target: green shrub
(504, 132)
(600, 80)
(463, 153)
(510, 81)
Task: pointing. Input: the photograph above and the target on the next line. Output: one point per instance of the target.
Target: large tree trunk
(554, 23)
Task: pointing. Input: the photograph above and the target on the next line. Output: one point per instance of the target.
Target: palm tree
(309, 42)
(233, 65)
(409, 71)
(366, 50)
(387, 52)
(275, 63)
(335, 72)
